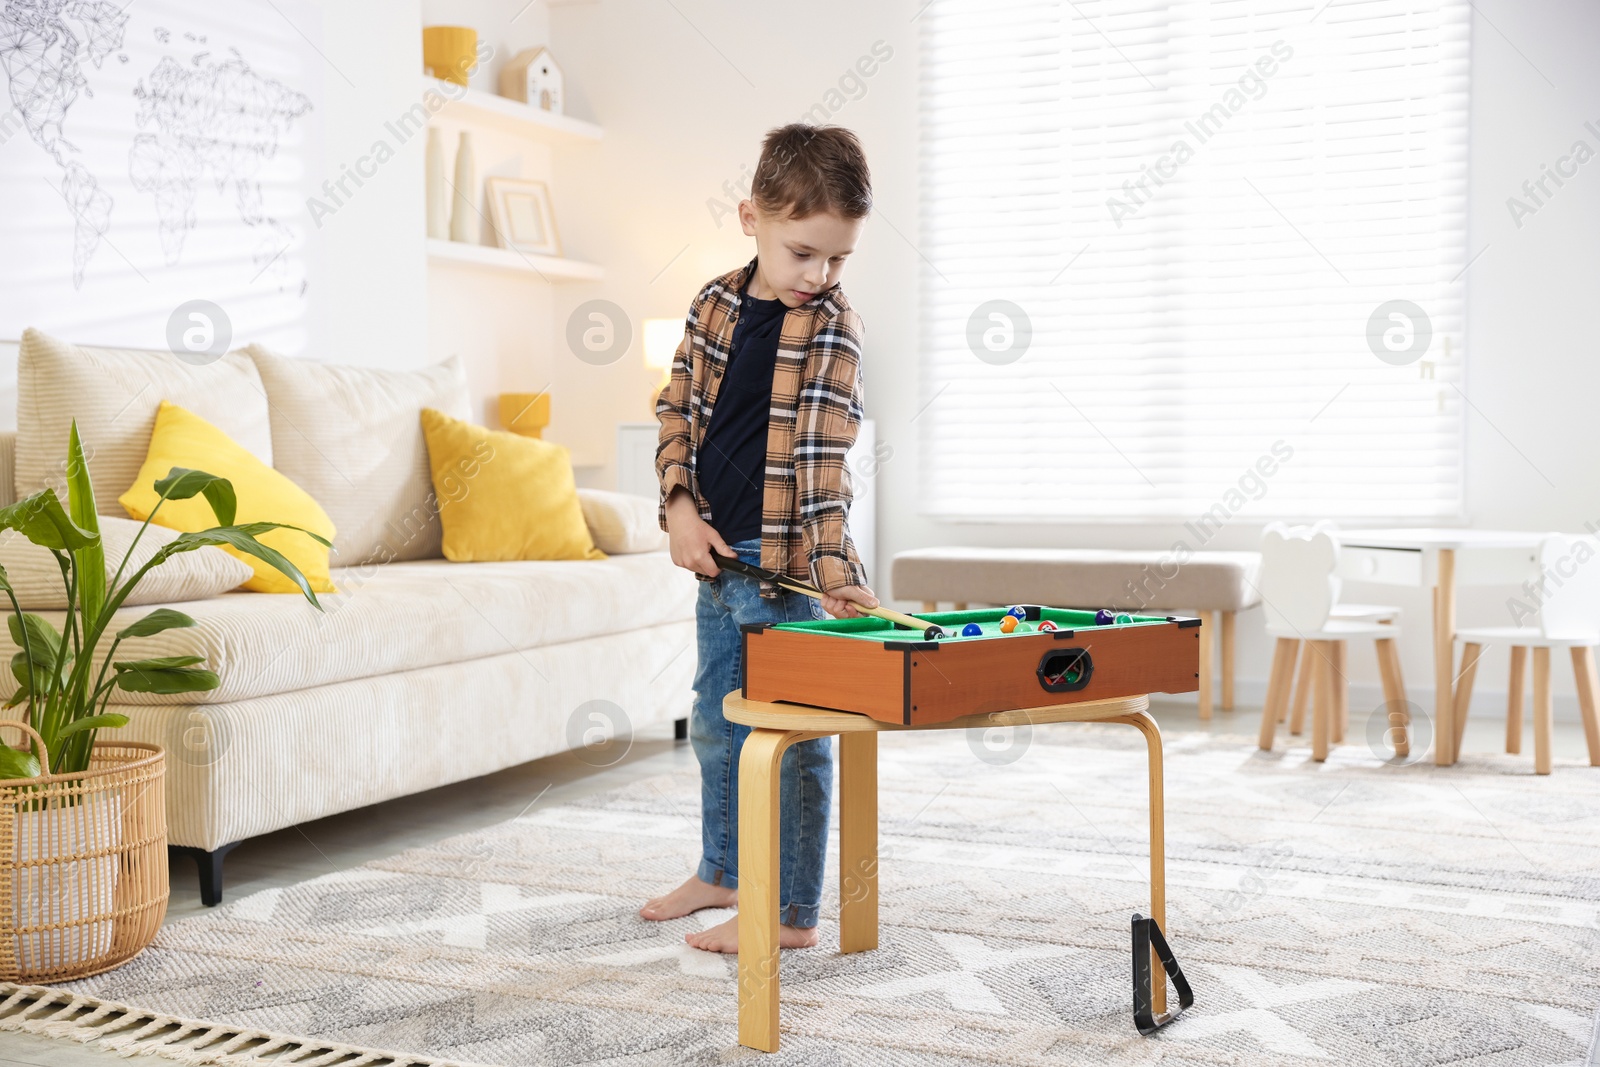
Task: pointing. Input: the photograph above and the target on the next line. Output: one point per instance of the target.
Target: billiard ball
(1046, 624)
(1008, 623)
(1017, 611)
(1024, 627)
(934, 632)
(1123, 620)
(1104, 617)
(972, 629)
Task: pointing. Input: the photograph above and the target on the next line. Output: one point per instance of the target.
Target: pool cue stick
(739, 566)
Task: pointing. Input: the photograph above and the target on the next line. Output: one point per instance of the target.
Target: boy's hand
(841, 602)
(690, 538)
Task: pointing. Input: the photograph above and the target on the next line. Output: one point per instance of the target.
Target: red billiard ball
(1048, 625)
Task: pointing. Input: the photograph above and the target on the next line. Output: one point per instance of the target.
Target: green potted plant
(65, 862)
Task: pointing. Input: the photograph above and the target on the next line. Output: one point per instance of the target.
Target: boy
(764, 401)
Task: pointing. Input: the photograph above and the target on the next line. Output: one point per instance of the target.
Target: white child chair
(1342, 612)
(1298, 592)
(1566, 595)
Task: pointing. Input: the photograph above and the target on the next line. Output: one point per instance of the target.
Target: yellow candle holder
(525, 413)
(450, 53)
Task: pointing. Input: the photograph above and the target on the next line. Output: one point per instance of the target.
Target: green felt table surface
(874, 629)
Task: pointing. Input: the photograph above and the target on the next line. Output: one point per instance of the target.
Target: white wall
(686, 90)
(367, 300)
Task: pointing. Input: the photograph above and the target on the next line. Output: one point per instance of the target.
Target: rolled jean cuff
(714, 875)
(803, 916)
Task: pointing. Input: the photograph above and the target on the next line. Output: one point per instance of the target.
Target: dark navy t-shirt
(733, 452)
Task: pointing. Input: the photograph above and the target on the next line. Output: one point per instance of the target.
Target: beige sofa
(418, 673)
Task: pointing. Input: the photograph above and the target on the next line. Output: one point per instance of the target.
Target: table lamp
(661, 340)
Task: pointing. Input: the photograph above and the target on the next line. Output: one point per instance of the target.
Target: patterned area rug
(1349, 913)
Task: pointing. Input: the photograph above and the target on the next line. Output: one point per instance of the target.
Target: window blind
(1187, 259)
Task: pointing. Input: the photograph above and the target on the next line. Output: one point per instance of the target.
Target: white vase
(438, 190)
(464, 212)
(53, 890)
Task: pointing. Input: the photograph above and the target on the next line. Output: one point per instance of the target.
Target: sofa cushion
(204, 572)
(114, 394)
(621, 522)
(402, 616)
(351, 437)
(503, 496)
(183, 439)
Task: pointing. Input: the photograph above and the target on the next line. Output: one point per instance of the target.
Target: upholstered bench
(1211, 584)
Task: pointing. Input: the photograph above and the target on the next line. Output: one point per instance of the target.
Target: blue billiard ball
(1104, 617)
(972, 629)
(1018, 610)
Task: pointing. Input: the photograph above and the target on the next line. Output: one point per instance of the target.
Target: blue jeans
(807, 772)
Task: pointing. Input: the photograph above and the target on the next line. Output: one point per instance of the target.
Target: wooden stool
(774, 727)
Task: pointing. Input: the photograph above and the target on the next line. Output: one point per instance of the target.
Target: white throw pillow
(114, 394)
(352, 438)
(195, 575)
(620, 523)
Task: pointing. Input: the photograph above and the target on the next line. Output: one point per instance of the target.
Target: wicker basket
(83, 863)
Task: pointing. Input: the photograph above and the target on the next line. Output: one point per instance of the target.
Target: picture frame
(520, 212)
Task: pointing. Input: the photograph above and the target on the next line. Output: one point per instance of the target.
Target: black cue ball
(934, 632)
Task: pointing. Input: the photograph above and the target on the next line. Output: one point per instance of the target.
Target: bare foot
(691, 896)
(724, 937)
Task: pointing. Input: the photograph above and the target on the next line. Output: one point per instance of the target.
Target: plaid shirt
(816, 411)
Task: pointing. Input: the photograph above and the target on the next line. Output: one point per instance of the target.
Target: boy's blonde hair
(807, 169)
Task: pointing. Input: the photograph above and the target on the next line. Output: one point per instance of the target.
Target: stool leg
(1158, 850)
(1303, 688)
(1278, 681)
(759, 761)
(1542, 710)
(960, 605)
(1514, 692)
(1322, 701)
(1470, 654)
(930, 605)
(1228, 619)
(1208, 629)
(858, 842)
(1588, 684)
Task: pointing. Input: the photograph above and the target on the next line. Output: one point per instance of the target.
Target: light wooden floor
(347, 840)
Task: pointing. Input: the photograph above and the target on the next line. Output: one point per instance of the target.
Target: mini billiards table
(894, 674)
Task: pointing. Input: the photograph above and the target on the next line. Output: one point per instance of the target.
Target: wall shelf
(486, 109)
(550, 268)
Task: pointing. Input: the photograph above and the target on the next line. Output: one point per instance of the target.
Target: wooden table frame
(1489, 557)
(774, 727)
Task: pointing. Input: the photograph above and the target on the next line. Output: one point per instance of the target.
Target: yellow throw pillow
(183, 439)
(503, 496)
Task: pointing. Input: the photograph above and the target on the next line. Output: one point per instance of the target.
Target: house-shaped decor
(533, 77)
